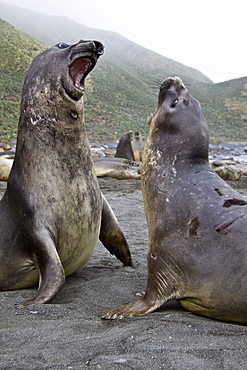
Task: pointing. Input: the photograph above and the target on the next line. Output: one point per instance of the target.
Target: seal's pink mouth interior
(79, 69)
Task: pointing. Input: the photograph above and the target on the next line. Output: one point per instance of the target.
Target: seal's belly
(77, 238)
(77, 253)
(76, 218)
(218, 310)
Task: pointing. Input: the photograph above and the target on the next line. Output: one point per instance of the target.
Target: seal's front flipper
(111, 235)
(137, 308)
(51, 271)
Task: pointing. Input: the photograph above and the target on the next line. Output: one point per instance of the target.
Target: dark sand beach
(69, 333)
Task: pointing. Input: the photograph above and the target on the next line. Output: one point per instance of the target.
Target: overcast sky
(209, 35)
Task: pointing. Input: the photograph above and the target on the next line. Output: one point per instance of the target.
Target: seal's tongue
(79, 69)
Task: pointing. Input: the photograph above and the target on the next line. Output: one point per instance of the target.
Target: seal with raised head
(124, 148)
(137, 146)
(197, 249)
(53, 212)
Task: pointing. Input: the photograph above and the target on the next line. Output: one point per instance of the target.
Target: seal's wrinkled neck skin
(54, 86)
(52, 107)
(178, 125)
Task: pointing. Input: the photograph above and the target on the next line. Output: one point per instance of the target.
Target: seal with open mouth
(53, 212)
(197, 248)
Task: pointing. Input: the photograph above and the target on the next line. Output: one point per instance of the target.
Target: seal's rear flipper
(111, 235)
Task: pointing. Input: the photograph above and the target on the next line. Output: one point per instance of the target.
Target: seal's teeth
(78, 86)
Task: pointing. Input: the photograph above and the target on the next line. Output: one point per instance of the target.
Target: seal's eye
(174, 103)
(62, 45)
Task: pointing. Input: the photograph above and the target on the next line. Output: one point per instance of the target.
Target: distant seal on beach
(226, 172)
(53, 212)
(137, 146)
(124, 148)
(6, 162)
(197, 249)
(117, 168)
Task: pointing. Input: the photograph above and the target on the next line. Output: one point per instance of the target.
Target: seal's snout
(178, 81)
(90, 46)
(172, 82)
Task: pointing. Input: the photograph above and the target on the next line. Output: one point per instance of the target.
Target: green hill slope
(225, 108)
(120, 92)
(17, 51)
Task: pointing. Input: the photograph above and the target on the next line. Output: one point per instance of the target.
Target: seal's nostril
(98, 47)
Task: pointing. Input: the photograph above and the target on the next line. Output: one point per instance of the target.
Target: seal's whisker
(155, 86)
(151, 87)
(158, 82)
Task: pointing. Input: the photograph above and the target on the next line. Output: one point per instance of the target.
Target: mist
(207, 35)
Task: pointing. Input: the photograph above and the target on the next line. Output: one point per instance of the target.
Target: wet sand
(69, 333)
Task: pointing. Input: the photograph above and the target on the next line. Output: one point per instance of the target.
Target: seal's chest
(78, 234)
(75, 253)
(79, 211)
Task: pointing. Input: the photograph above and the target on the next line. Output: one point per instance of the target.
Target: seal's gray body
(124, 148)
(53, 211)
(197, 249)
(117, 168)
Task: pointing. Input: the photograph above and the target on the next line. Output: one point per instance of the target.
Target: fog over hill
(54, 29)
(121, 92)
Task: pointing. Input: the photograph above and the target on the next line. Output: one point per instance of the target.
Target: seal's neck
(169, 148)
(43, 115)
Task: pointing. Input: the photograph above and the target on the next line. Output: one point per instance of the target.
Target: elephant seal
(226, 172)
(6, 162)
(124, 148)
(53, 212)
(197, 249)
(137, 146)
(117, 168)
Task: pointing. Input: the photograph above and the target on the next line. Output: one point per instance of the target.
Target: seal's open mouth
(79, 69)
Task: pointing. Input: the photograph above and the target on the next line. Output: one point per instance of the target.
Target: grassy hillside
(17, 51)
(121, 93)
(225, 107)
